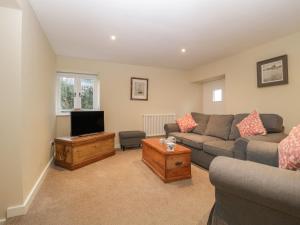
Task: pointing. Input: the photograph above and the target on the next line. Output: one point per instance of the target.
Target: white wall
(242, 94)
(169, 92)
(210, 107)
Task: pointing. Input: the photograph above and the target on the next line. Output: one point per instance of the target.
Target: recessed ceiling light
(183, 50)
(113, 37)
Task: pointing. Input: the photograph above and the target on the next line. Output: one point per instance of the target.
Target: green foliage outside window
(67, 89)
(87, 98)
(67, 94)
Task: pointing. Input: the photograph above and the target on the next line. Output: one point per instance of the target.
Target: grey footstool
(131, 138)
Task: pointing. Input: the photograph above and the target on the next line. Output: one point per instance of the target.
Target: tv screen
(86, 122)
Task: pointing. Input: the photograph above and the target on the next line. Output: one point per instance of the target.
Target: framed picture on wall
(272, 72)
(139, 89)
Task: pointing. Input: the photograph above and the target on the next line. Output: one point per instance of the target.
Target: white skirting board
(2, 221)
(22, 209)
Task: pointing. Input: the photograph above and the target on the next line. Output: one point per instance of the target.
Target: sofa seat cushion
(193, 140)
(219, 148)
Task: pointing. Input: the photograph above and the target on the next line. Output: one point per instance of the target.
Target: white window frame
(214, 95)
(77, 86)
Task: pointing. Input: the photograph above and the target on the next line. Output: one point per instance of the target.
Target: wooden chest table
(75, 152)
(169, 166)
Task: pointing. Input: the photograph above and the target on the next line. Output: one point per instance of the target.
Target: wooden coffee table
(169, 166)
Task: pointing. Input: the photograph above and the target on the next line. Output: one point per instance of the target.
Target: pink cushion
(251, 125)
(289, 150)
(186, 123)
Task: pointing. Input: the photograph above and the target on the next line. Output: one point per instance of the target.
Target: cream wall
(210, 107)
(38, 98)
(10, 83)
(242, 94)
(169, 92)
(27, 81)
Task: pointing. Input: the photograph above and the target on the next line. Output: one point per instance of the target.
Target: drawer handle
(178, 163)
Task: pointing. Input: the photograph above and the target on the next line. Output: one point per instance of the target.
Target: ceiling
(153, 32)
(9, 4)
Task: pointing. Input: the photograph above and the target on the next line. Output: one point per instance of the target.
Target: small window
(217, 95)
(76, 92)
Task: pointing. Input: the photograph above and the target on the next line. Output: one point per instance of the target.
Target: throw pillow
(187, 123)
(251, 125)
(289, 150)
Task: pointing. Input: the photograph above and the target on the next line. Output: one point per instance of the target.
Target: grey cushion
(234, 133)
(202, 120)
(219, 148)
(219, 126)
(132, 134)
(193, 140)
(263, 152)
(240, 148)
(272, 122)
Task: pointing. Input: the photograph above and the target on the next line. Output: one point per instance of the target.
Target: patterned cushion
(289, 150)
(251, 125)
(186, 124)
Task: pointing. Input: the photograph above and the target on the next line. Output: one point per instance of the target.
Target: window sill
(62, 114)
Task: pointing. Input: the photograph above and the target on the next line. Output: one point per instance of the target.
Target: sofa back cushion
(272, 122)
(234, 133)
(219, 126)
(202, 120)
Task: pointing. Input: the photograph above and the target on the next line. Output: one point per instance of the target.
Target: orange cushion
(186, 123)
(251, 125)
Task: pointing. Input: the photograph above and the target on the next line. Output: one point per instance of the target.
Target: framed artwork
(272, 72)
(139, 89)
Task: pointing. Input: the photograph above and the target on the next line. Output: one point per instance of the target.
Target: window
(217, 95)
(76, 92)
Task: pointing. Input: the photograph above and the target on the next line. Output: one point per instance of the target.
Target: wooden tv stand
(76, 152)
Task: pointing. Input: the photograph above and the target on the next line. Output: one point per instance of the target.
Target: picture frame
(139, 89)
(272, 72)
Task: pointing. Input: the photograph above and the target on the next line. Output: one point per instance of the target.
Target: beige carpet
(116, 191)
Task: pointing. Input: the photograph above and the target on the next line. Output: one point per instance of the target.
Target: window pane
(67, 93)
(87, 93)
(217, 95)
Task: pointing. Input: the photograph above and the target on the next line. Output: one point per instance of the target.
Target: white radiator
(154, 123)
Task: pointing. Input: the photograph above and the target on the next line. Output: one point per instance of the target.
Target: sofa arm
(263, 152)
(240, 145)
(265, 185)
(171, 127)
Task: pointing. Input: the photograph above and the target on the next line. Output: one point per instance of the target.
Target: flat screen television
(86, 122)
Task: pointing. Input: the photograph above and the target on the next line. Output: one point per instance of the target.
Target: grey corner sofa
(217, 135)
(255, 191)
